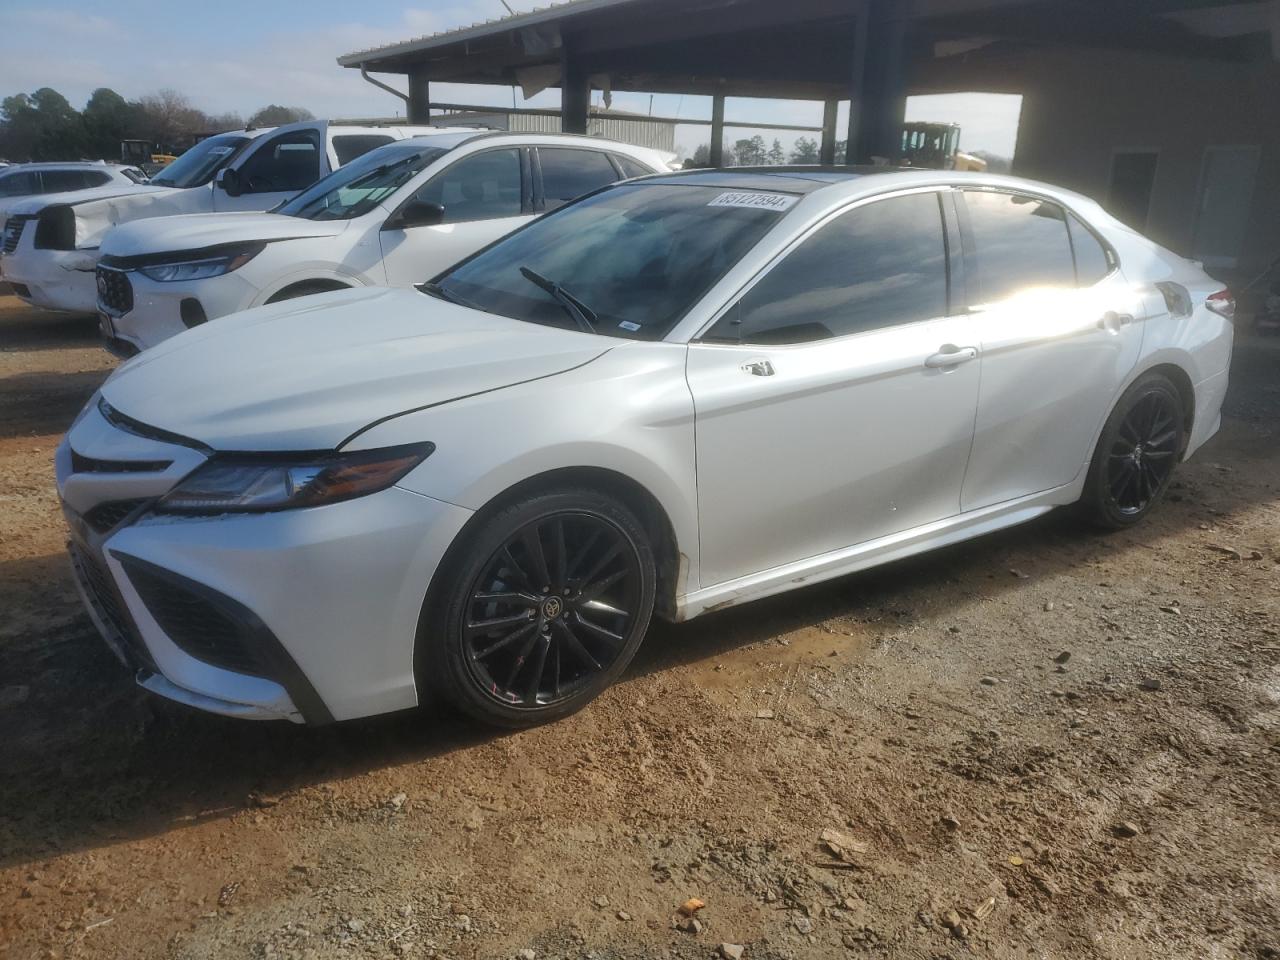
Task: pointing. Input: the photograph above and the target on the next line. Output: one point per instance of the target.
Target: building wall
(639, 131)
(1081, 106)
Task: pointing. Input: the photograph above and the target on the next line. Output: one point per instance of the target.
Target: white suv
(395, 217)
(50, 243)
(23, 180)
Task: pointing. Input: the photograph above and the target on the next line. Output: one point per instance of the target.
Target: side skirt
(862, 556)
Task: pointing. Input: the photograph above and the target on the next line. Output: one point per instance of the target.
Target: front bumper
(163, 310)
(307, 615)
(53, 279)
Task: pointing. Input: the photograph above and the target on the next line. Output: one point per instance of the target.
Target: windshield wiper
(583, 315)
(435, 290)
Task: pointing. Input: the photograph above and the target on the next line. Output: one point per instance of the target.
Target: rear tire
(1134, 461)
(538, 609)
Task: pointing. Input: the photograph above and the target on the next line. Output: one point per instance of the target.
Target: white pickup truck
(49, 248)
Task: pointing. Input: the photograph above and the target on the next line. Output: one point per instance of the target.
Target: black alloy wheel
(1134, 460)
(1144, 452)
(549, 610)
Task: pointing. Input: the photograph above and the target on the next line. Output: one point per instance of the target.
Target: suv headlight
(249, 483)
(203, 267)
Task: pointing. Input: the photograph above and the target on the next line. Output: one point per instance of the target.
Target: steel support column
(419, 98)
(717, 130)
(575, 93)
(879, 83)
(827, 151)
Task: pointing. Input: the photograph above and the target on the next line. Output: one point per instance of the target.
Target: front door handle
(950, 356)
(758, 368)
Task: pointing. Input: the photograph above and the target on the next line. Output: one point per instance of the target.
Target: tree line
(752, 152)
(45, 126)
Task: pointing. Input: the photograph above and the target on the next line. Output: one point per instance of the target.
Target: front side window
(56, 181)
(482, 186)
(197, 166)
(287, 163)
(638, 257)
(571, 173)
(355, 189)
(1020, 243)
(349, 146)
(18, 184)
(879, 265)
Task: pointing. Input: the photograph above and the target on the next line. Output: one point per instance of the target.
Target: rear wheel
(1136, 453)
(539, 609)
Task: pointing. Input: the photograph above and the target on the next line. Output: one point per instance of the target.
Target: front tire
(538, 609)
(1136, 454)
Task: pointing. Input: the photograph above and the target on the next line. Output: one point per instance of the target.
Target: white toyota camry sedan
(677, 394)
(399, 214)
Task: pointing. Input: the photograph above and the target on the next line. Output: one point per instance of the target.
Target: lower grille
(197, 619)
(115, 290)
(13, 228)
(106, 516)
(99, 588)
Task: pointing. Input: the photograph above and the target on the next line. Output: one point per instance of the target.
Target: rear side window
(348, 146)
(289, 162)
(18, 184)
(880, 265)
(1020, 242)
(483, 186)
(631, 168)
(567, 174)
(1092, 261)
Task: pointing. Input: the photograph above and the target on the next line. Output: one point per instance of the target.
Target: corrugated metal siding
(640, 131)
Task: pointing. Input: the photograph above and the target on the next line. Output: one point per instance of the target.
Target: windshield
(198, 165)
(361, 185)
(636, 256)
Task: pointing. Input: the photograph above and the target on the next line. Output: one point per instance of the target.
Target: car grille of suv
(13, 228)
(197, 622)
(115, 291)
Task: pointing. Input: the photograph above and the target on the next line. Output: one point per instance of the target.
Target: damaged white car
(50, 244)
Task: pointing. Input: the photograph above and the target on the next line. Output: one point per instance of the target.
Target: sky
(244, 54)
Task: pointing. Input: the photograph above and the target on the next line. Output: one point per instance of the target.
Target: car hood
(199, 230)
(99, 209)
(307, 374)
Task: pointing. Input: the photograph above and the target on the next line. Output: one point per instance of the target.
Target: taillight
(1223, 303)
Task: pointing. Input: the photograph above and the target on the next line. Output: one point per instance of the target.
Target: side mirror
(415, 213)
(229, 180)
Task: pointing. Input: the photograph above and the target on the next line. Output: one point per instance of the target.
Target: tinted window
(17, 184)
(352, 145)
(198, 165)
(483, 186)
(571, 173)
(1092, 262)
(355, 189)
(639, 256)
(55, 181)
(877, 266)
(631, 168)
(289, 162)
(1020, 242)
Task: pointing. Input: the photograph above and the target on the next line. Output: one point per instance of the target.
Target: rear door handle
(1114, 321)
(950, 356)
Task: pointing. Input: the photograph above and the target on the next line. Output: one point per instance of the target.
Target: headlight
(203, 268)
(247, 483)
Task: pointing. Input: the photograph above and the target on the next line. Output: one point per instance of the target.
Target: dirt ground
(1046, 743)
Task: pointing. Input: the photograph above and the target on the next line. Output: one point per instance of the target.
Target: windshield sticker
(628, 325)
(758, 201)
